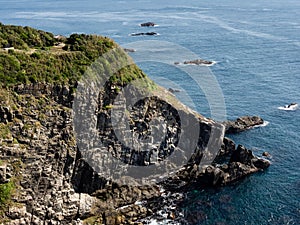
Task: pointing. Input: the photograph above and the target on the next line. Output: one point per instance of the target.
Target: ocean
(256, 47)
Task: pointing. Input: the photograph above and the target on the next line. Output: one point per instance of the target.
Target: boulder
(266, 154)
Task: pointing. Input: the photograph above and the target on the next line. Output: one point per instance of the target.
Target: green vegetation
(24, 37)
(37, 57)
(6, 191)
(91, 220)
(110, 106)
(4, 131)
(126, 74)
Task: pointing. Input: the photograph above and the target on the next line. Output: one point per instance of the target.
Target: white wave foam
(163, 222)
(266, 123)
(289, 108)
(226, 26)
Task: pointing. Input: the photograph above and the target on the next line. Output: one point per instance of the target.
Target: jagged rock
(240, 163)
(227, 148)
(242, 124)
(261, 163)
(3, 174)
(242, 155)
(6, 114)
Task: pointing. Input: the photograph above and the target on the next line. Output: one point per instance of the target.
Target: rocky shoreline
(86, 198)
(52, 174)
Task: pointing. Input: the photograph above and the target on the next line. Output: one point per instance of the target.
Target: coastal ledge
(232, 164)
(242, 124)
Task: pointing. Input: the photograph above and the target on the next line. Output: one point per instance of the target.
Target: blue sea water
(256, 45)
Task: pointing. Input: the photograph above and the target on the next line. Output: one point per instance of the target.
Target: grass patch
(5, 131)
(6, 191)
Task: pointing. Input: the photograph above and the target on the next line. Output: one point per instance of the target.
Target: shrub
(5, 193)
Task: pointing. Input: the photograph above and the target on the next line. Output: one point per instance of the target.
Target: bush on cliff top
(36, 59)
(24, 37)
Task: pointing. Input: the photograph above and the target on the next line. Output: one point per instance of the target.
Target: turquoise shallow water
(257, 49)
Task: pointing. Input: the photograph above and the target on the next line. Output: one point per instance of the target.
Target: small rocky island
(197, 62)
(44, 178)
(148, 24)
(242, 124)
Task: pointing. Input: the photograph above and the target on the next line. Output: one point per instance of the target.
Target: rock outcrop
(242, 124)
(230, 165)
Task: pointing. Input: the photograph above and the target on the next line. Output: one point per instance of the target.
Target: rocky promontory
(242, 123)
(50, 174)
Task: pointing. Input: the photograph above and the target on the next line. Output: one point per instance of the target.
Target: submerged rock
(144, 34)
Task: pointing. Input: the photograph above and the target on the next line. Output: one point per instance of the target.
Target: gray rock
(242, 124)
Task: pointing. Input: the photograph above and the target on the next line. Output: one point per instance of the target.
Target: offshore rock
(144, 34)
(197, 62)
(242, 124)
(148, 24)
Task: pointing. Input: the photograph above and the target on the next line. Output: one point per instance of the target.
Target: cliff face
(52, 173)
(53, 183)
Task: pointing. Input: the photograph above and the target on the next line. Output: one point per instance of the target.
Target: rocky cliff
(52, 173)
